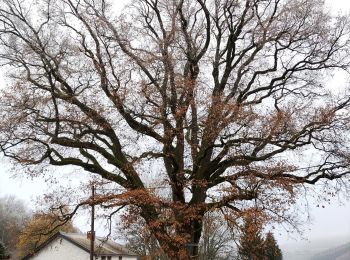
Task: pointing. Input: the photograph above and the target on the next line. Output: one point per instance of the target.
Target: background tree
(141, 241)
(38, 229)
(217, 241)
(272, 250)
(251, 241)
(3, 251)
(13, 217)
(218, 102)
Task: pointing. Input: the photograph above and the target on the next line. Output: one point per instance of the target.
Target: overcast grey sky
(328, 222)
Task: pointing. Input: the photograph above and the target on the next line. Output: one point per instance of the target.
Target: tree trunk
(183, 242)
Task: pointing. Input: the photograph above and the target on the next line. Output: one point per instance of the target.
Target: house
(72, 246)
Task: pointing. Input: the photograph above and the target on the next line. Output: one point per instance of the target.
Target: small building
(72, 246)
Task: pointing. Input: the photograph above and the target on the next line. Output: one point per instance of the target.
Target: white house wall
(61, 249)
(125, 258)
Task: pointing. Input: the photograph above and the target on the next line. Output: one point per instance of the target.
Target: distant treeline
(333, 253)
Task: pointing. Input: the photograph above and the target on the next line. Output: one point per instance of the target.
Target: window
(103, 257)
(120, 257)
(109, 258)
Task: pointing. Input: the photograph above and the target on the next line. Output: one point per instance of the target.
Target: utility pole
(92, 232)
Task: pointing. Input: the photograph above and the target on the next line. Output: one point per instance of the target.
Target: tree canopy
(221, 103)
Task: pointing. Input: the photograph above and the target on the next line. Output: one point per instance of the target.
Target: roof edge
(41, 246)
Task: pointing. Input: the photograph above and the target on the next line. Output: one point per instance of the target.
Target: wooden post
(92, 232)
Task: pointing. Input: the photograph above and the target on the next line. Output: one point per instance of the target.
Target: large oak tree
(221, 103)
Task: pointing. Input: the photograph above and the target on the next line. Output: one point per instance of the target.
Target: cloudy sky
(333, 221)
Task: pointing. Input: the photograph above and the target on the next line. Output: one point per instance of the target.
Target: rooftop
(102, 245)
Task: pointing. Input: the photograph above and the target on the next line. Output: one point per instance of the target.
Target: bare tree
(141, 241)
(214, 100)
(218, 239)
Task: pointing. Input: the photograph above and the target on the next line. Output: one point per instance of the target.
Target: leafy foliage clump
(40, 227)
(251, 241)
(254, 246)
(273, 252)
